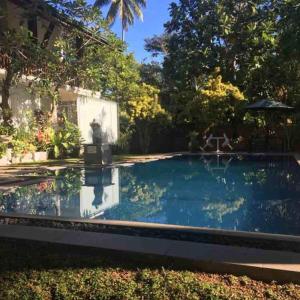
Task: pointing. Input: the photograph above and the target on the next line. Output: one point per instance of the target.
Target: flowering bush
(43, 138)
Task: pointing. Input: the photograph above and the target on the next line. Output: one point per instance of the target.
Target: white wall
(22, 101)
(90, 106)
(104, 112)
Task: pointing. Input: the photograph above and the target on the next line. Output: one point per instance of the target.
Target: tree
(19, 53)
(145, 113)
(214, 104)
(127, 10)
(151, 73)
(71, 59)
(235, 35)
(157, 45)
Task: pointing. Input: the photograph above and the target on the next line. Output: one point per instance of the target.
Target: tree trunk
(5, 93)
(3, 16)
(54, 95)
(143, 131)
(123, 34)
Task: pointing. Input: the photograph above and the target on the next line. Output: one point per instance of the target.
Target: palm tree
(126, 9)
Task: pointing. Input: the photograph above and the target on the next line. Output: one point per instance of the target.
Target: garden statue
(96, 136)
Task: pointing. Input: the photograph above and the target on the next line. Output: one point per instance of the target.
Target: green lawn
(42, 271)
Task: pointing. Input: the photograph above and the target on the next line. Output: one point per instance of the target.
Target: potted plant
(42, 144)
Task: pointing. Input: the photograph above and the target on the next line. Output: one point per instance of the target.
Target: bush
(3, 149)
(23, 141)
(65, 140)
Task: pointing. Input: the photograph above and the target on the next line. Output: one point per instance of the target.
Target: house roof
(46, 11)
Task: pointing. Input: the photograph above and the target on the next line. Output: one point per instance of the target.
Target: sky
(155, 15)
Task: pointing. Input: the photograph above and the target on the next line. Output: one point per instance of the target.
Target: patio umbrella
(271, 106)
(267, 104)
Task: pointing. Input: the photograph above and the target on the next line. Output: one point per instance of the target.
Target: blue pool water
(247, 193)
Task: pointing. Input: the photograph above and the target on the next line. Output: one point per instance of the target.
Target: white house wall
(22, 101)
(91, 108)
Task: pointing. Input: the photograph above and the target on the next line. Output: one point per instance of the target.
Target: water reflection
(72, 193)
(99, 192)
(239, 193)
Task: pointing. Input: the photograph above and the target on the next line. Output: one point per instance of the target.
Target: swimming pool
(240, 193)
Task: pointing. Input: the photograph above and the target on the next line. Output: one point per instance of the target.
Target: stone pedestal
(106, 154)
(92, 154)
(97, 154)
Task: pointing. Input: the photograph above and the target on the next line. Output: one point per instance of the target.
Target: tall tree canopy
(254, 44)
(126, 9)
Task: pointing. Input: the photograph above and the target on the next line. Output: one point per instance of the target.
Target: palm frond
(141, 3)
(113, 12)
(101, 3)
(136, 9)
(126, 9)
(128, 13)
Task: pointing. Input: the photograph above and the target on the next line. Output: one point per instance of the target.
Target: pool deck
(282, 266)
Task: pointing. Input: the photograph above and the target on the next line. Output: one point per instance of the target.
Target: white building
(81, 106)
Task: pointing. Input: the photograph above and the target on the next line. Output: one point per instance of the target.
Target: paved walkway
(256, 263)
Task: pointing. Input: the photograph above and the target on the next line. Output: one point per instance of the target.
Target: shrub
(23, 141)
(3, 149)
(65, 140)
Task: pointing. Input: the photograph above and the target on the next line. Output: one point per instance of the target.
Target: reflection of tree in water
(252, 194)
(139, 197)
(198, 197)
(29, 200)
(68, 184)
(276, 197)
(217, 209)
(41, 198)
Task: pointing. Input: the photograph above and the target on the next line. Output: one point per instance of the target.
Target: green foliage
(3, 149)
(6, 130)
(65, 140)
(214, 103)
(254, 44)
(49, 271)
(152, 74)
(24, 138)
(145, 112)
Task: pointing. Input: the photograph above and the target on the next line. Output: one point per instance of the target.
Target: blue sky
(155, 15)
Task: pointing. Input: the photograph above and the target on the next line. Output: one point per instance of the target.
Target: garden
(63, 272)
(196, 89)
(213, 62)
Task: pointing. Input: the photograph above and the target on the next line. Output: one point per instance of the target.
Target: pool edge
(172, 232)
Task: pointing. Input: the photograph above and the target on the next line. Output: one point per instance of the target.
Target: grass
(32, 270)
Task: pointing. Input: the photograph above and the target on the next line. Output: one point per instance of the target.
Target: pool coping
(268, 265)
(267, 241)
